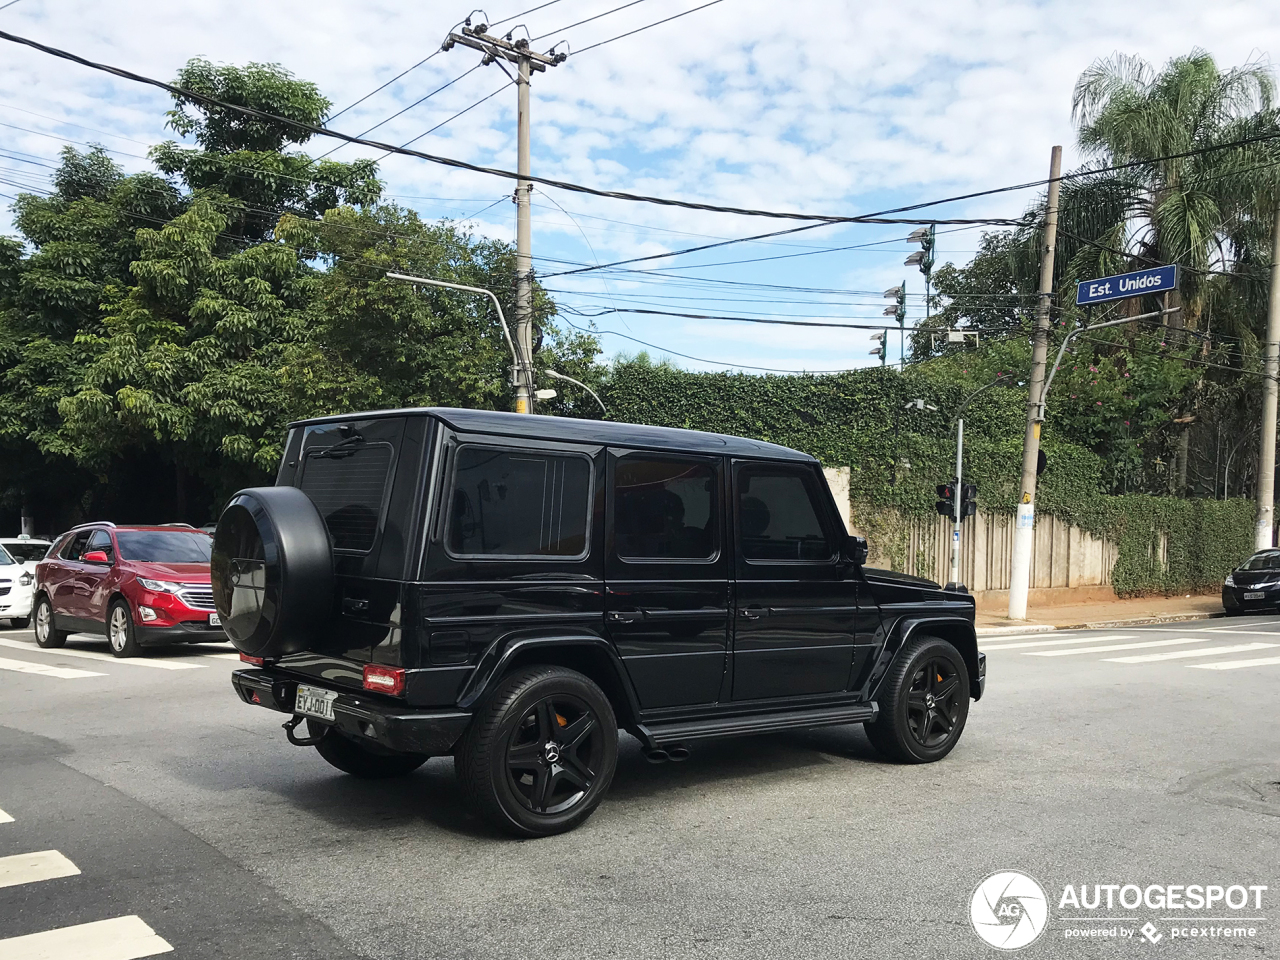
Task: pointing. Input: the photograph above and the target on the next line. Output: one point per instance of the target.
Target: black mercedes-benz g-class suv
(514, 589)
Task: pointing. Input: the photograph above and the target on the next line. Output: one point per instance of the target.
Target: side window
(74, 549)
(665, 509)
(778, 516)
(516, 503)
(100, 540)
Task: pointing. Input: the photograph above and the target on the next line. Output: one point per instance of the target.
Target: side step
(685, 731)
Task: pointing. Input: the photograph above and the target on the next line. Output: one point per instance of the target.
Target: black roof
(572, 429)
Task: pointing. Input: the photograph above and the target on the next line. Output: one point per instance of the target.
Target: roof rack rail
(94, 523)
(187, 525)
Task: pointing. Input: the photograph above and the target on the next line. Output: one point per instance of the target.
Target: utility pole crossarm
(495, 48)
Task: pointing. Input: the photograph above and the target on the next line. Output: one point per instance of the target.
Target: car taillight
(256, 661)
(380, 679)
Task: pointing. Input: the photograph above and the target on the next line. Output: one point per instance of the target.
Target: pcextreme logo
(1009, 910)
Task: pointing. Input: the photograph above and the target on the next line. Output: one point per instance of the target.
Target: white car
(17, 579)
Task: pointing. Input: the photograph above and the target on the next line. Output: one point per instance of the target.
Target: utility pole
(1271, 369)
(526, 61)
(1024, 528)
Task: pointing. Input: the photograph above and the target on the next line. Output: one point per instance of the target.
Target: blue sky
(832, 108)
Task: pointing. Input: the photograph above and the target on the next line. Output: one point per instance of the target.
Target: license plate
(215, 620)
(1256, 595)
(314, 702)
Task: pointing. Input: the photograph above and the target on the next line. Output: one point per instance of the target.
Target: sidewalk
(1107, 613)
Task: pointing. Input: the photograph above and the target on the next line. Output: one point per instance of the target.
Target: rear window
(512, 503)
(348, 485)
(165, 546)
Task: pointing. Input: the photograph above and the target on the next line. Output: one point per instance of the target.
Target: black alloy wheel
(924, 703)
(554, 756)
(540, 754)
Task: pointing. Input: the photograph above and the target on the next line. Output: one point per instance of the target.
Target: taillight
(256, 661)
(380, 679)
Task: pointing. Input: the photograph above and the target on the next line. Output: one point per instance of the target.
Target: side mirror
(856, 550)
(96, 556)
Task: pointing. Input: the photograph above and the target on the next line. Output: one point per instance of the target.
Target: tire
(510, 759)
(120, 632)
(19, 623)
(924, 703)
(47, 635)
(359, 761)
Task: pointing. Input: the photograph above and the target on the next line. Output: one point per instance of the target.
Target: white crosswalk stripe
(1236, 664)
(121, 938)
(1116, 646)
(34, 867)
(1184, 654)
(98, 655)
(45, 670)
(1053, 643)
(5, 818)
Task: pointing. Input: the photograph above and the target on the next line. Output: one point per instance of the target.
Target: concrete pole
(524, 252)
(1024, 529)
(1271, 369)
(955, 533)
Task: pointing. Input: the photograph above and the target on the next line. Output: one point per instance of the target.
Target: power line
(581, 22)
(450, 119)
(385, 85)
(704, 316)
(646, 27)
(525, 13)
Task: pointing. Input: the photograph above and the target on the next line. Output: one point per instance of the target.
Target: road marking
(1002, 638)
(1056, 643)
(1236, 664)
(44, 670)
(1182, 654)
(5, 818)
(96, 655)
(222, 656)
(1116, 646)
(1243, 633)
(33, 867)
(121, 938)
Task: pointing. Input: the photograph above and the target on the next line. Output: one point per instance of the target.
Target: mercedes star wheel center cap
(551, 751)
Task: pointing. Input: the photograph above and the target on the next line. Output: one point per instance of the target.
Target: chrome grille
(197, 596)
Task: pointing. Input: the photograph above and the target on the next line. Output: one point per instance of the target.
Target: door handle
(622, 616)
(354, 605)
(753, 613)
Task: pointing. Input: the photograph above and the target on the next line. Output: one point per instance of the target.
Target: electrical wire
(525, 13)
(448, 120)
(581, 22)
(403, 73)
(646, 27)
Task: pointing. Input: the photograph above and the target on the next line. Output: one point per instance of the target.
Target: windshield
(5, 559)
(1263, 561)
(27, 551)
(165, 546)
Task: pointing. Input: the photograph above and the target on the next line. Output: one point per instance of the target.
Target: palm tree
(1196, 187)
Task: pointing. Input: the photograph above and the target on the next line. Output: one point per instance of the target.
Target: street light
(899, 313)
(560, 376)
(878, 351)
(923, 258)
(521, 372)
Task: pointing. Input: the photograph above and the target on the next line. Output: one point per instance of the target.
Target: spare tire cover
(272, 571)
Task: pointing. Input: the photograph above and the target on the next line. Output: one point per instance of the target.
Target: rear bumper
(392, 726)
(197, 631)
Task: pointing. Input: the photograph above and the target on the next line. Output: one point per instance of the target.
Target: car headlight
(160, 586)
(1230, 581)
(27, 579)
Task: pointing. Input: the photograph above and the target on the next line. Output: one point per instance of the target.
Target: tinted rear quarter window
(348, 486)
(517, 503)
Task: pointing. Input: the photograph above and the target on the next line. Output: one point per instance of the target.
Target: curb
(1094, 624)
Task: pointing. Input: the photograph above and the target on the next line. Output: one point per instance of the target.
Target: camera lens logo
(1009, 910)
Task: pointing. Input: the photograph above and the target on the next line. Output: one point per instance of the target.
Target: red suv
(141, 586)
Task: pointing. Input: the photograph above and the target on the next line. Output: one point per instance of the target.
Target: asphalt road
(171, 815)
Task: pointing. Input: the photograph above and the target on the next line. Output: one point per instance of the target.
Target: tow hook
(297, 741)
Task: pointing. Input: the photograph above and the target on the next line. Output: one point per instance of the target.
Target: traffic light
(946, 505)
(968, 500)
(878, 350)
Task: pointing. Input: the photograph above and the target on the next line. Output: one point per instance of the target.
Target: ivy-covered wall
(896, 458)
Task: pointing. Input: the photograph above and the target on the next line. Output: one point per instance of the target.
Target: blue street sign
(1155, 280)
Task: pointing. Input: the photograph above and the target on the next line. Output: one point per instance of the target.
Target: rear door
(667, 575)
(796, 622)
(62, 580)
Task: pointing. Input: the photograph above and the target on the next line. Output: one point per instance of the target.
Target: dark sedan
(1254, 585)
